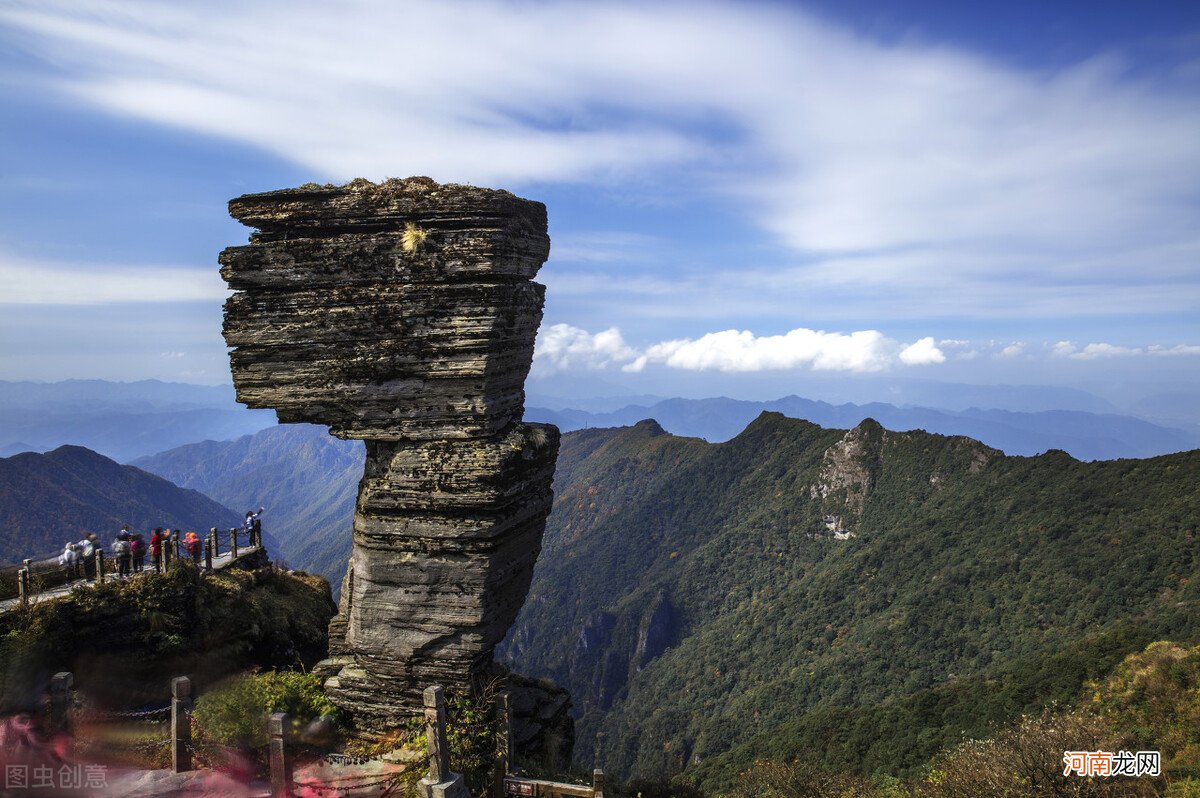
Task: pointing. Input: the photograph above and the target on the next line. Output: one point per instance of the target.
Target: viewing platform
(41, 580)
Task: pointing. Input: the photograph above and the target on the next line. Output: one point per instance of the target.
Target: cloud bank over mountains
(562, 347)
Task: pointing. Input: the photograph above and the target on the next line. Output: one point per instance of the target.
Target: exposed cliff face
(848, 474)
(404, 314)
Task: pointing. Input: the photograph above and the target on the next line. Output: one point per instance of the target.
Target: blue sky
(1003, 192)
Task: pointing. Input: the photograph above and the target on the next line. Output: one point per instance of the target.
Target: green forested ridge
(306, 479)
(686, 600)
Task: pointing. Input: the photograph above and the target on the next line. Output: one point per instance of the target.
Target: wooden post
(175, 544)
(208, 554)
(60, 700)
(503, 743)
(440, 782)
(435, 735)
(166, 553)
(597, 783)
(216, 547)
(23, 585)
(26, 562)
(233, 543)
(281, 761)
(181, 724)
(99, 566)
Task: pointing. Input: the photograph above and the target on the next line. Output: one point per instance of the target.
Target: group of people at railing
(85, 559)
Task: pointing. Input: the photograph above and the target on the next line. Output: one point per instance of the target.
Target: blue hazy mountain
(120, 420)
(49, 499)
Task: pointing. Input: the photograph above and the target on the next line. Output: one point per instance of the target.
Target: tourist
(137, 550)
(69, 560)
(156, 547)
(191, 543)
(253, 527)
(87, 553)
(121, 550)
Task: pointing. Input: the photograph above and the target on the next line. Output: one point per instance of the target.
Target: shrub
(235, 713)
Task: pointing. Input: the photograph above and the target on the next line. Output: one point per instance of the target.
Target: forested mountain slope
(307, 480)
(694, 597)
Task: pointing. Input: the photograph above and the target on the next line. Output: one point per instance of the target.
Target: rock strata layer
(404, 314)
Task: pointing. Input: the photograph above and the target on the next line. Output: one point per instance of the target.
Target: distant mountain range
(308, 480)
(49, 499)
(1087, 436)
(855, 599)
(305, 478)
(120, 420)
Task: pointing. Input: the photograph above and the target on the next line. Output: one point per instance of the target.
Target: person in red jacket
(156, 544)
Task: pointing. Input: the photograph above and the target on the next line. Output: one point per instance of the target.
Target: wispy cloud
(897, 171)
(29, 282)
(1098, 351)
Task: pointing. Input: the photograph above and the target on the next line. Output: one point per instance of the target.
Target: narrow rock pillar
(404, 314)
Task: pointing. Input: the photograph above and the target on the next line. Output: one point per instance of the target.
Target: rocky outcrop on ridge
(404, 314)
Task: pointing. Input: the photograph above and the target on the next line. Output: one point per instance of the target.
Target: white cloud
(923, 352)
(741, 350)
(1012, 350)
(1171, 351)
(1099, 351)
(1063, 349)
(561, 347)
(1096, 351)
(50, 283)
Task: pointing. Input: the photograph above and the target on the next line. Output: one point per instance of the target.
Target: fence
(440, 780)
(137, 736)
(35, 577)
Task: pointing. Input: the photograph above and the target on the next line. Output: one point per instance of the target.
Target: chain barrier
(346, 788)
(94, 714)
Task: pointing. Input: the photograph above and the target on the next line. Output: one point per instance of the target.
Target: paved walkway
(221, 561)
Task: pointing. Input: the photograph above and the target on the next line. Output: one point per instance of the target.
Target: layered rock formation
(404, 314)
